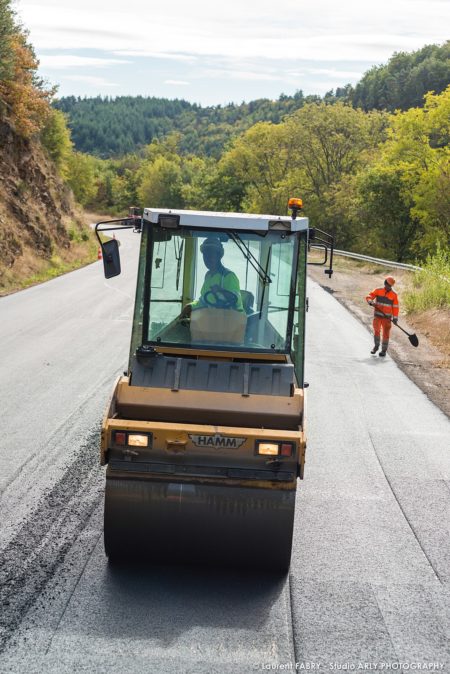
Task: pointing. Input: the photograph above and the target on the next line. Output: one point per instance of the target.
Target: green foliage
(112, 127)
(404, 80)
(81, 174)
(259, 161)
(431, 287)
(161, 183)
(108, 127)
(385, 209)
(196, 172)
(55, 137)
(330, 143)
(416, 156)
(7, 29)
(76, 235)
(379, 182)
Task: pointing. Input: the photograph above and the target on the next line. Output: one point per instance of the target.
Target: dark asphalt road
(370, 572)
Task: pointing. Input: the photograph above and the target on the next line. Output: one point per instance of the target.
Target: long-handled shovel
(412, 338)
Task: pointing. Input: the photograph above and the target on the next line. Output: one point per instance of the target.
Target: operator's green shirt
(224, 278)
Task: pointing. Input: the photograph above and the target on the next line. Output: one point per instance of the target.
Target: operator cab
(227, 286)
(222, 282)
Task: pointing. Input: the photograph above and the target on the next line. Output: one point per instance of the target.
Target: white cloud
(91, 80)
(217, 73)
(340, 75)
(227, 50)
(63, 61)
(315, 30)
(188, 58)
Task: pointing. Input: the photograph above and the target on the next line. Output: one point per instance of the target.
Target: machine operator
(220, 287)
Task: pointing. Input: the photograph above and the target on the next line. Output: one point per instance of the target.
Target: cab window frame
(287, 350)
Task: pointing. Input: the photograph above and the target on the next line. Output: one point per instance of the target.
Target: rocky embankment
(38, 216)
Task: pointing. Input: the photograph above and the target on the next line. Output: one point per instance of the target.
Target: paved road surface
(369, 580)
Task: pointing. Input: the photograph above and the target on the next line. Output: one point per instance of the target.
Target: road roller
(204, 434)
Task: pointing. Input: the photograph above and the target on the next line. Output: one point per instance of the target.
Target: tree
(55, 137)
(403, 82)
(330, 142)
(160, 184)
(81, 177)
(418, 148)
(26, 100)
(259, 160)
(385, 209)
(7, 30)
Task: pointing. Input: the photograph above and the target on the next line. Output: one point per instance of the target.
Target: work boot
(375, 349)
(382, 354)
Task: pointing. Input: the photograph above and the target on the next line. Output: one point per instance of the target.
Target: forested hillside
(404, 80)
(111, 127)
(371, 163)
(379, 181)
(108, 127)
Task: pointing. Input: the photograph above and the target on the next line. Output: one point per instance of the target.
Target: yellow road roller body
(204, 436)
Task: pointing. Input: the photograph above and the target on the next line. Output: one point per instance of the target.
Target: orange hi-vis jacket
(386, 302)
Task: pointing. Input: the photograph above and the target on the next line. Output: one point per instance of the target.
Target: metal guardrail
(377, 260)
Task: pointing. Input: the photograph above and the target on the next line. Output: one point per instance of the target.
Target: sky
(212, 52)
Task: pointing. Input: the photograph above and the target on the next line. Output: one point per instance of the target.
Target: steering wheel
(220, 303)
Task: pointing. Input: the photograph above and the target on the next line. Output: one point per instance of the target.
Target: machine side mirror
(111, 258)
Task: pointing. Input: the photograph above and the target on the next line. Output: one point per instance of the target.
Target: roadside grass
(430, 288)
(31, 270)
(86, 254)
(57, 266)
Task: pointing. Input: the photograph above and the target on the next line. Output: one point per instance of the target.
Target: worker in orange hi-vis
(385, 303)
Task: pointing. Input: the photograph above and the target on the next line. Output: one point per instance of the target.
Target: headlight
(275, 448)
(124, 438)
(135, 440)
(268, 448)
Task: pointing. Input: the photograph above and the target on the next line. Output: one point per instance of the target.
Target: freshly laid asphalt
(369, 582)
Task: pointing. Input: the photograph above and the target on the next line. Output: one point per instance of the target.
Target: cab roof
(238, 221)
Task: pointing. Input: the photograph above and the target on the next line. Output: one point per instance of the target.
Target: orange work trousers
(382, 325)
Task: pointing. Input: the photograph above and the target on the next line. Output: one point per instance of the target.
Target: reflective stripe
(385, 300)
(385, 303)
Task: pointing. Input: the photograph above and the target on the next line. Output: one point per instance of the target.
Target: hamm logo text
(216, 441)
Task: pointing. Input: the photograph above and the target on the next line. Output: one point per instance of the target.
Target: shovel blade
(414, 340)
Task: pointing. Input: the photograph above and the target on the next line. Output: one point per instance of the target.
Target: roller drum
(198, 523)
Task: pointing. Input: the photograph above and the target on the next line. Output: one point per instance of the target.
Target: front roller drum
(164, 522)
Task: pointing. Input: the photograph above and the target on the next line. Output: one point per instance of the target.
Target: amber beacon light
(295, 203)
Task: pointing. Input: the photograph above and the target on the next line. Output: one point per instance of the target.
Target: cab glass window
(220, 289)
